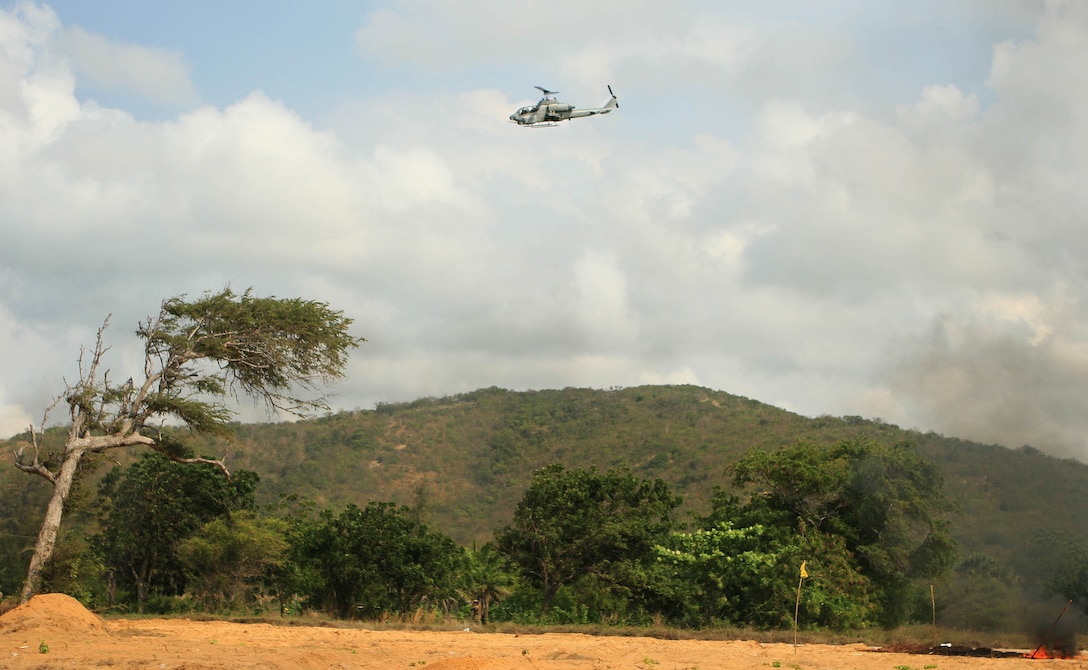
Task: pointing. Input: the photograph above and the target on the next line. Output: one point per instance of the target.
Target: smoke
(1009, 382)
(1053, 627)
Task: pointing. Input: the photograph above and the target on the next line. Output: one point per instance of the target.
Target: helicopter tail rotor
(613, 96)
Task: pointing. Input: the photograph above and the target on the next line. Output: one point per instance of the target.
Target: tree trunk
(549, 590)
(47, 535)
(143, 582)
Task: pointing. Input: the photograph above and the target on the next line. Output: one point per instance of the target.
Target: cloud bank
(759, 217)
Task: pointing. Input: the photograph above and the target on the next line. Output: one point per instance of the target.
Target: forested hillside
(467, 458)
(463, 462)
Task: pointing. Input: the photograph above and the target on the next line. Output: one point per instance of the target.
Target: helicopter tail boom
(593, 111)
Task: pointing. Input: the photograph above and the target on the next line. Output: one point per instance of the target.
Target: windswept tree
(198, 355)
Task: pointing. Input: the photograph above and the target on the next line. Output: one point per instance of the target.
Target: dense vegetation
(680, 504)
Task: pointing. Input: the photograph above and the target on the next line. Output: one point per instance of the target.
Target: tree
(576, 523)
(484, 579)
(717, 566)
(886, 503)
(197, 355)
(985, 595)
(230, 558)
(368, 560)
(1063, 557)
(151, 507)
(747, 576)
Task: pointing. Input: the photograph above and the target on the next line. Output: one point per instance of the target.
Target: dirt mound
(52, 612)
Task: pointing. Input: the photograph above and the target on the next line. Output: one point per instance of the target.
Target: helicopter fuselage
(550, 111)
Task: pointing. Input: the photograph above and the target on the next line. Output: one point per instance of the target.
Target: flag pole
(797, 606)
(933, 604)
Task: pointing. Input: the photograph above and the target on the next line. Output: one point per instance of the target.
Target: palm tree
(485, 579)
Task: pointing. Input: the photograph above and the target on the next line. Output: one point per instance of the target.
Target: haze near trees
(198, 354)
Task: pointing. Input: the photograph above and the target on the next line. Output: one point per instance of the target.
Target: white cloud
(35, 88)
(947, 101)
(13, 420)
(448, 32)
(921, 260)
(159, 75)
(600, 304)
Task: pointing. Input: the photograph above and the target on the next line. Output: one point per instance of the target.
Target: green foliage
(576, 523)
(484, 578)
(77, 570)
(263, 346)
(719, 569)
(1066, 558)
(18, 525)
(149, 509)
(267, 348)
(837, 594)
(885, 503)
(745, 576)
(984, 596)
(231, 561)
(370, 560)
(477, 451)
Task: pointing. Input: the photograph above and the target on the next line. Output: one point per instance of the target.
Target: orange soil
(76, 638)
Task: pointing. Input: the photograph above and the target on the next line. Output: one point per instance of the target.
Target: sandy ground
(76, 638)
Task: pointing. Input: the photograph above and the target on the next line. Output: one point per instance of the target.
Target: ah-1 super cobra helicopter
(549, 111)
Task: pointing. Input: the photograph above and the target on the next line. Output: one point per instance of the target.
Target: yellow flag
(804, 573)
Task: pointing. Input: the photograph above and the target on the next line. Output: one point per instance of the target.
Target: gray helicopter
(549, 111)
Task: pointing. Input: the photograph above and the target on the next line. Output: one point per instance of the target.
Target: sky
(839, 208)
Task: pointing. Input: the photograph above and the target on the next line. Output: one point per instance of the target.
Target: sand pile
(52, 613)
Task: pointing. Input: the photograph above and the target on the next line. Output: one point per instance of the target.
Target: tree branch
(35, 468)
(209, 461)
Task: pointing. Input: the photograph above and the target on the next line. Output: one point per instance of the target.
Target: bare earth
(76, 638)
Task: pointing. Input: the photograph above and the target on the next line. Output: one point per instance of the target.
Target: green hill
(469, 457)
(466, 459)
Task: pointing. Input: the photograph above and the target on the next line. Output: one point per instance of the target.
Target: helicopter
(549, 111)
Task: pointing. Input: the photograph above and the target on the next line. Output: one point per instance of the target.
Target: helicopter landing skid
(538, 124)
